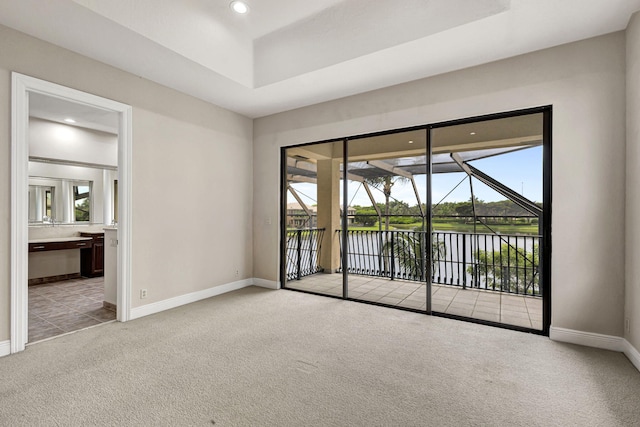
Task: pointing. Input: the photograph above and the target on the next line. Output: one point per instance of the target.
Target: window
(82, 202)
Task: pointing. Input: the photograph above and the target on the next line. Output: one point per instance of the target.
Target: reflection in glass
(48, 202)
(58, 201)
(41, 203)
(82, 203)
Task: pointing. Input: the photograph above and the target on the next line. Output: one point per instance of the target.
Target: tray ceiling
(287, 54)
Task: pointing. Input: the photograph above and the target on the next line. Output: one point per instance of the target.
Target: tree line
(400, 212)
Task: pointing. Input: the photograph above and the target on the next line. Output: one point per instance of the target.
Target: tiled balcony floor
(65, 306)
(486, 305)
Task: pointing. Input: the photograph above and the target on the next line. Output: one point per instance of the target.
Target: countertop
(60, 239)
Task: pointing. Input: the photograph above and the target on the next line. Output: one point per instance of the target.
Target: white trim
(589, 339)
(264, 283)
(125, 215)
(5, 348)
(170, 303)
(22, 85)
(632, 354)
(19, 212)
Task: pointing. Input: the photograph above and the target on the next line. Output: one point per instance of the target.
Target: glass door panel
(387, 222)
(487, 191)
(313, 196)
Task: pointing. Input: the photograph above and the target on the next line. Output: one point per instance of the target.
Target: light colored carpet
(279, 358)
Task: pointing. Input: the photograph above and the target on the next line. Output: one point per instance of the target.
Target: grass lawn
(531, 229)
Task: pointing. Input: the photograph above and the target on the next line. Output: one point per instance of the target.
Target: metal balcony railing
(302, 251)
(496, 262)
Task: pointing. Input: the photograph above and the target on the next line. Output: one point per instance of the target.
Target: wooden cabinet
(92, 258)
(59, 244)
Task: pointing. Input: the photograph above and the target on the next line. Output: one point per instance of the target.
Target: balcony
(482, 276)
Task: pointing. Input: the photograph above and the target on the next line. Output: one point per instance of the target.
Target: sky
(520, 170)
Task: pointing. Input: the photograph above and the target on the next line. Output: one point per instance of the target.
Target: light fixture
(239, 7)
(472, 133)
(410, 142)
(69, 120)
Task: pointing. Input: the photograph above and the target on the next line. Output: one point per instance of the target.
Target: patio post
(329, 213)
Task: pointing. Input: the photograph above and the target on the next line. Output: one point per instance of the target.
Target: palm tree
(406, 249)
(385, 183)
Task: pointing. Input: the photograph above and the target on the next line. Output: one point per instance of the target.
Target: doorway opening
(68, 150)
(450, 219)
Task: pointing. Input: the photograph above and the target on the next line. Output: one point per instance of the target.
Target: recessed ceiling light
(472, 133)
(239, 7)
(69, 120)
(410, 142)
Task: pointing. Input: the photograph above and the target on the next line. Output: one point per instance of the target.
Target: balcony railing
(494, 262)
(303, 248)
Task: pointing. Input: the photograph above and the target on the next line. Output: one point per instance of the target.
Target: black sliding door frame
(545, 247)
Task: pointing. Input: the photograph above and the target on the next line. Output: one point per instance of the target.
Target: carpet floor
(257, 357)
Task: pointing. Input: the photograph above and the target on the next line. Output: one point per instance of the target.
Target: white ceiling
(287, 54)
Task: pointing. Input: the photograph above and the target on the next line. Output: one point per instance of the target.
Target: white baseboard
(589, 339)
(632, 354)
(264, 283)
(170, 303)
(5, 348)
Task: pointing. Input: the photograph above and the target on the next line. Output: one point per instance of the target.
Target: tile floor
(514, 310)
(69, 305)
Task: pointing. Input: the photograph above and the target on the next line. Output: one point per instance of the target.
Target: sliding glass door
(313, 196)
(487, 217)
(387, 227)
(449, 219)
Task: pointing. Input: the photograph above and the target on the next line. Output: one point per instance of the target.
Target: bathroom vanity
(92, 258)
(59, 243)
(56, 258)
(69, 256)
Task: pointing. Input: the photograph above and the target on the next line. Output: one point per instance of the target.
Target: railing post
(299, 239)
(380, 255)
(464, 261)
(425, 256)
(393, 258)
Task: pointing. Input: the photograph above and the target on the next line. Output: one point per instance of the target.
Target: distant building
(298, 218)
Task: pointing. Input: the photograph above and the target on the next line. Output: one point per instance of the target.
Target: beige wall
(192, 175)
(632, 289)
(199, 185)
(585, 83)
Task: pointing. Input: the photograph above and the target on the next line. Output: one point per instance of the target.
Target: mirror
(82, 201)
(71, 194)
(41, 203)
(59, 201)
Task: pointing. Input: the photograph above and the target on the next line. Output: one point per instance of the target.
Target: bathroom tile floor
(65, 306)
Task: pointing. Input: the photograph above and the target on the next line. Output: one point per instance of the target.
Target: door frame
(545, 249)
(22, 85)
